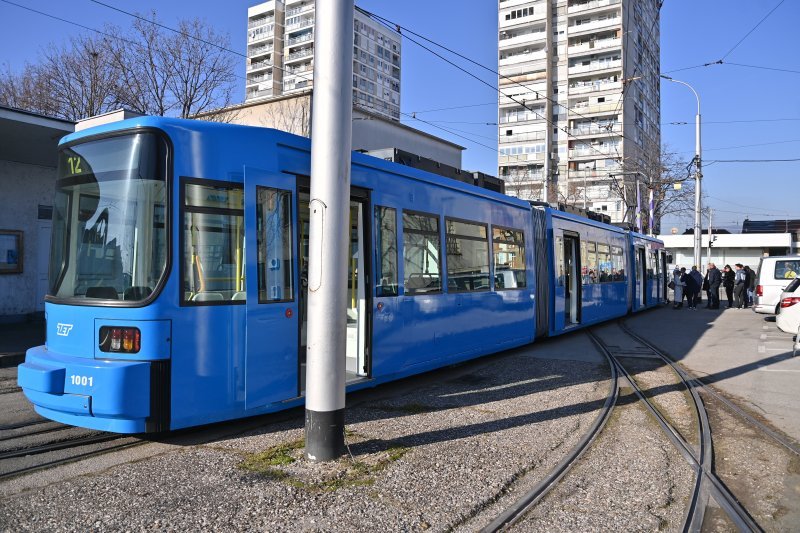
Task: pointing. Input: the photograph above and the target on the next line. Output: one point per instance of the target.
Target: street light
(697, 176)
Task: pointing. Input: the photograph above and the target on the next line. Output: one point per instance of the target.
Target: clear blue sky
(692, 33)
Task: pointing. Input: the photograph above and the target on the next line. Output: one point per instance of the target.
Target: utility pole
(697, 175)
(331, 140)
(710, 214)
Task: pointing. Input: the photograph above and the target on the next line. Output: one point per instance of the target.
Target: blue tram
(178, 275)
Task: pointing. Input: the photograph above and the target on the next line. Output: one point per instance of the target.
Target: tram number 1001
(82, 380)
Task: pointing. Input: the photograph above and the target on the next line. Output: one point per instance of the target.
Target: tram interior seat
(239, 295)
(137, 292)
(107, 293)
(422, 282)
(207, 297)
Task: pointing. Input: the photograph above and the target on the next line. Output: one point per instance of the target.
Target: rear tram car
(178, 275)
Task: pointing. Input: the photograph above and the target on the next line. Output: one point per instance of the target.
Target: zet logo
(63, 329)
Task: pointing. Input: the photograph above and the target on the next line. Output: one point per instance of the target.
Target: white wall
(23, 188)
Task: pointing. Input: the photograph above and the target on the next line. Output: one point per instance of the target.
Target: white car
(775, 273)
(788, 318)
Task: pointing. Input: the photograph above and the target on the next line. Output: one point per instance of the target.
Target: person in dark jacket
(692, 287)
(740, 287)
(751, 284)
(698, 278)
(714, 278)
(728, 281)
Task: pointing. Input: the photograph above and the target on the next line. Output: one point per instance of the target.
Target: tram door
(572, 281)
(271, 335)
(357, 365)
(641, 275)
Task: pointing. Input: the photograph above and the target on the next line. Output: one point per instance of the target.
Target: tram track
(522, 505)
(707, 484)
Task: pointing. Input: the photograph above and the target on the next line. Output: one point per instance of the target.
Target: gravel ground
(434, 458)
(663, 387)
(631, 479)
(763, 475)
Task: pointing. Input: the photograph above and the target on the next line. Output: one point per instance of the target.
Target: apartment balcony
(529, 117)
(606, 107)
(255, 23)
(296, 85)
(594, 87)
(513, 3)
(259, 79)
(520, 159)
(599, 151)
(523, 58)
(523, 68)
(305, 23)
(294, 41)
(530, 37)
(587, 6)
(265, 32)
(595, 131)
(258, 65)
(262, 93)
(522, 137)
(536, 17)
(598, 65)
(595, 25)
(299, 71)
(297, 10)
(515, 99)
(260, 50)
(300, 54)
(594, 46)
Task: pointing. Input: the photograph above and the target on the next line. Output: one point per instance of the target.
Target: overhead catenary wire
(403, 30)
(199, 39)
(740, 41)
(89, 28)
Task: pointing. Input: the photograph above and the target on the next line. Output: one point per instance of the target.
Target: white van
(774, 275)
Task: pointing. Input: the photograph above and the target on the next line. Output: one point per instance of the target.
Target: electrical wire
(95, 30)
(450, 108)
(404, 31)
(753, 160)
(184, 34)
(752, 30)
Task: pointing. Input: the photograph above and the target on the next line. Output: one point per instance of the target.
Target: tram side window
(213, 239)
(509, 258)
(274, 245)
(421, 248)
(386, 222)
(467, 256)
(604, 263)
(617, 264)
(591, 264)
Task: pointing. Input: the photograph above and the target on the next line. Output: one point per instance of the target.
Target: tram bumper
(107, 395)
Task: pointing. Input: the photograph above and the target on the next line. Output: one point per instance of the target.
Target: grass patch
(279, 455)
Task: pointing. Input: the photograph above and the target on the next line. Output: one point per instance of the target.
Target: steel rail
(707, 483)
(71, 459)
(35, 432)
(513, 513)
(60, 445)
(735, 409)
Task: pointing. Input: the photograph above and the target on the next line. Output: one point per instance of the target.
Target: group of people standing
(739, 286)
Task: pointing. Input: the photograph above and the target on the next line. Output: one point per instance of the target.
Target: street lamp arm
(697, 96)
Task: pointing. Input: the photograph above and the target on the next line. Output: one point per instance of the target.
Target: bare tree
(290, 114)
(203, 71)
(79, 78)
(143, 68)
(149, 69)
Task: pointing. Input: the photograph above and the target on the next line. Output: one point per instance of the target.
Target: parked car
(774, 275)
(788, 318)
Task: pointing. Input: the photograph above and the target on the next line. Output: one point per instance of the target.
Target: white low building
(729, 248)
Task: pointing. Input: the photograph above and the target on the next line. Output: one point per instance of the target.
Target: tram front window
(109, 219)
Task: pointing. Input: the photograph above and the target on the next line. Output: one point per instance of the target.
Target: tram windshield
(109, 219)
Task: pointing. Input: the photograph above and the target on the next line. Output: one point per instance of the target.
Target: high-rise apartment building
(280, 56)
(579, 109)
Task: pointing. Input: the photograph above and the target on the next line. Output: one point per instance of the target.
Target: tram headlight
(120, 340)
